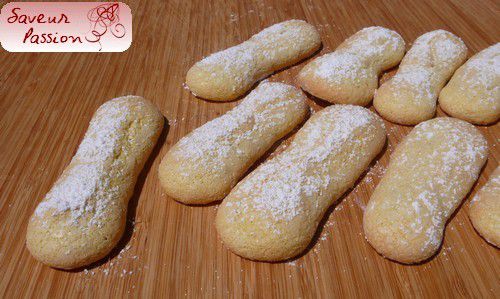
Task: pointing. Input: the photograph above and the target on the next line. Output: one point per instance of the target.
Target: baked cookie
(273, 213)
(350, 74)
(228, 74)
(83, 216)
(473, 93)
(204, 165)
(429, 174)
(410, 96)
(484, 209)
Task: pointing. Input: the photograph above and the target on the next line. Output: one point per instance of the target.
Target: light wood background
(172, 250)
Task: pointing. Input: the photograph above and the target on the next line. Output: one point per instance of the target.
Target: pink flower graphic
(104, 18)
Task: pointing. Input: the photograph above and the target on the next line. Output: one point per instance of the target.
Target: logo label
(65, 27)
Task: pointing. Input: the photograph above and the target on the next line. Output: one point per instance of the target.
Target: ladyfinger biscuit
(429, 174)
(204, 165)
(473, 93)
(350, 74)
(484, 210)
(273, 213)
(228, 74)
(83, 216)
(410, 96)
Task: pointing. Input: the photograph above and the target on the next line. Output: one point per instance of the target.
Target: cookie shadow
(318, 101)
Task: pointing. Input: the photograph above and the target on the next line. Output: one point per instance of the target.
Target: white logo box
(65, 27)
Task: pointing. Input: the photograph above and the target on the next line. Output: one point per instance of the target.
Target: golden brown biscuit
(473, 93)
(410, 96)
(204, 165)
(430, 173)
(83, 216)
(228, 74)
(484, 210)
(350, 74)
(273, 213)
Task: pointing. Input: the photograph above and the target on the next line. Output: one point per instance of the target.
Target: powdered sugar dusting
(428, 65)
(492, 186)
(438, 49)
(336, 67)
(230, 56)
(448, 50)
(302, 170)
(455, 153)
(264, 108)
(417, 79)
(284, 40)
(84, 188)
(256, 58)
(482, 74)
(237, 62)
(359, 57)
(484, 209)
(371, 42)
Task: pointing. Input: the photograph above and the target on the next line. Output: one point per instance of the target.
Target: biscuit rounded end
(188, 184)
(408, 211)
(69, 246)
(484, 210)
(401, 107)
(255, 241)
(460, 103)
(203, 84)
(344, 90)
(390, 241)
(485, 223)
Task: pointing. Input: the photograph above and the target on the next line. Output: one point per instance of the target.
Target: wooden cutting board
(172, 250)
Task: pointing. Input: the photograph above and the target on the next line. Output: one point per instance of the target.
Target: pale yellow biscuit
(273, 213)
(429, 174)
(473, 93)
(228, 74)
(83, 216)
(350, 74)
(204, 165)
(484, 210)
(410, 96)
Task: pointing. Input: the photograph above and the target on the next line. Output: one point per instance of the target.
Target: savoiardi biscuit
(473, 93)
(410, 96)
(83, 215)
(429, 174)
(484, 209)
(204, 165)
(228, 74)
(273, 214)
(349, 75)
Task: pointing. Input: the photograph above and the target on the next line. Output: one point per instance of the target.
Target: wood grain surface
(172, 250)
